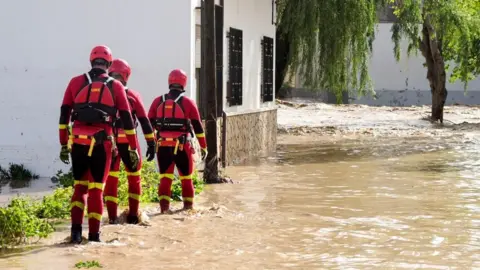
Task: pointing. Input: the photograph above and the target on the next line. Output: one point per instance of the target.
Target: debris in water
(143, 219)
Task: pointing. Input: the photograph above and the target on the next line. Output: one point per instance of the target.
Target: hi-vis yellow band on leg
(200, 135)
(93, 185)
(149, 136)
(164, 197)
(111, 199)
(134, 196)
(167, 175)
(96, 216)
(115, 174)
(77, 204)
(130, 131)
(186, 177)
(62, 126)
(137, 173)
(188, 199)
(80, 182)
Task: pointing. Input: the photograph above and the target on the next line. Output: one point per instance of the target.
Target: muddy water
(383, 204)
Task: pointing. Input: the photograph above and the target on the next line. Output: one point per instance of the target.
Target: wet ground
(404, 198)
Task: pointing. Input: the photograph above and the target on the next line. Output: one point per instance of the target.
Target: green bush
(16, 172)
(63, 179)
(150, 181)
(56, 205)
(19, 222)
(25, 218)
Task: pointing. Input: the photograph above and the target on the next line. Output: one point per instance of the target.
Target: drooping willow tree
(330, 42)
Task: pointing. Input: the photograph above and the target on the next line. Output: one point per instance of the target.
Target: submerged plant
(88, 264)
(16, 172)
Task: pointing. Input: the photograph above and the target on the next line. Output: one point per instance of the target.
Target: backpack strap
(179, 97)
(89, 79)
(107, 81)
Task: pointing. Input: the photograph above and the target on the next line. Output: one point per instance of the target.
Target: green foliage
(16, 172)
(88, 264)
(330, 41)
(19, 222)
(56, 205)
(150, 181)
(456, 28)
(63, 179)
(25, 218)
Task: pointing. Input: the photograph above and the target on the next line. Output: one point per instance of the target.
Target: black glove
(65, 154)
(150, 150)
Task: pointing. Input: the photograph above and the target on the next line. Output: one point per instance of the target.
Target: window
(267, 70)
(235, 67)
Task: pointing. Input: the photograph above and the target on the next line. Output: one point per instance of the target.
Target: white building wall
(254, 18)
(45, 43)
(408, 73)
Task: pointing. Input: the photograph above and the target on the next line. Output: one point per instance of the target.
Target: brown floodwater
(375, 204)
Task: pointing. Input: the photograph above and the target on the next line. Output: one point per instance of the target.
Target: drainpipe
(224, 139)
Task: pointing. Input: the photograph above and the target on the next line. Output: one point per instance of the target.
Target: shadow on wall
(301, 93)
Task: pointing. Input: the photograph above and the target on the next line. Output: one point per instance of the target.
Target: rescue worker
(120, 70)
(92, 102)
(173, 115)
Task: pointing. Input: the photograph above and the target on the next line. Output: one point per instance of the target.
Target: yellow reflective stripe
(200, 135)
(164, 197)
(90, 150)
(111, 199)
(82, 136)
(167, 175)
(188, 199)
(95, 185)
(137, 173)
(134, 196)
(77, 204)
(149, 136)
(96, 216)
(80, 182)
(130, 131)
(114, 174)
(176, 148)
(186, 177)
(122, 135)
(61, 126)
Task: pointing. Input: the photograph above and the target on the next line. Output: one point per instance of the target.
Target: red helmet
(177, 76)
(121, 67)
(101, 52)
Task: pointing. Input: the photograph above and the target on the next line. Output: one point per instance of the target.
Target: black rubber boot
(132, 219)
(76, 234)
(94, 237)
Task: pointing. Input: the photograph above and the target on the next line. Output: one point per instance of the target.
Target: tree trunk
(281, 60)
(436, 75)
